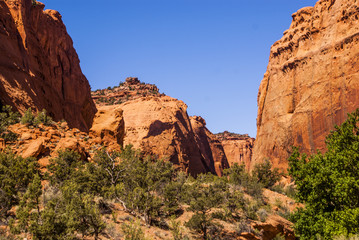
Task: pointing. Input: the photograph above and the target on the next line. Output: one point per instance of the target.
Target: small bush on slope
(264, 174)
(7, 118)
(328, 184)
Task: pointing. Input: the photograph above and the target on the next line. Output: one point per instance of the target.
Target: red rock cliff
(39, 67)
(210, 147)
(161, 126)
(312, 81)
(237, 147)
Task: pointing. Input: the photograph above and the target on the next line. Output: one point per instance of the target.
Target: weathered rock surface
(274, 226)
(237, 147)
(108, 126)
(210, 147)
(161, 126)
(311, 83)
(39, 67)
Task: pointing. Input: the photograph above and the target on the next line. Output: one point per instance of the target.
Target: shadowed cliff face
(311, 83)
(39, 67)
(210, 147)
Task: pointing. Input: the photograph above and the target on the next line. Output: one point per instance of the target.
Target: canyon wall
(39, 68)
(311, 83)
(237, 147)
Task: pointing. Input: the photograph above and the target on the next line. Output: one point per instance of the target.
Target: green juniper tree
(328, 185)
(203, 195)
(16, 173)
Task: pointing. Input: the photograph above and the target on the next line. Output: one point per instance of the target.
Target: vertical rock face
(108, 127)
(161, 126)
(39, 67)
(312, 81)
(210, 147)
(238, 148)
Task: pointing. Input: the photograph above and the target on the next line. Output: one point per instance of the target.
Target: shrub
(279, 188)
(243, 226)
(28, 118)
(264, 174)
(43, 118)
(202, 197)
(7, 118)
(237, 175)
(16, 173)
(262, 214)
(133, 231)
(177, 230)
(9, 136)
(290, 191)
(279, 237)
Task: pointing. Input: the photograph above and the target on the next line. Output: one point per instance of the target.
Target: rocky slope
(43, 142)
(39, 67)
(237, 147)
(311, 83)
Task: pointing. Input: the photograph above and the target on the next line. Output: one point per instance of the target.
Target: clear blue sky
(211, 54)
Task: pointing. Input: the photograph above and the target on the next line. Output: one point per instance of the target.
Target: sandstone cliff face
(161, 126)
(238, 148)
(312, 81)
(39, 67)
(210, 147)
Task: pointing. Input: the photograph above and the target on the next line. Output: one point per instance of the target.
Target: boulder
(34, 148)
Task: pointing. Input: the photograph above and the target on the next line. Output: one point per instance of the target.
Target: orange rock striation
(39, 67)
(311, 83)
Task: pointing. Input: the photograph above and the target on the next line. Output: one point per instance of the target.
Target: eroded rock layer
(160, 126)
(312, 81)
(39, 67)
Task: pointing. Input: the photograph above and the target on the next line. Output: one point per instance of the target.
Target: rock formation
(160, 126)
(311, 83)
(238, 148)
(129, 90)
(108, 127)
(210, 147)
(39, 67)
